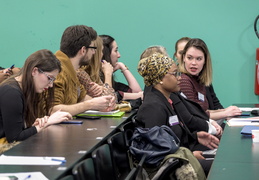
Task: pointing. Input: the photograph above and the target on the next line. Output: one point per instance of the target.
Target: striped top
(194, 91)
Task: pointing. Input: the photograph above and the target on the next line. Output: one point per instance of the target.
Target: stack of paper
(243, 121)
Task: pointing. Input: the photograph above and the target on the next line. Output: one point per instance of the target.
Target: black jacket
(156, 110)
(195, 118)
(213, 101)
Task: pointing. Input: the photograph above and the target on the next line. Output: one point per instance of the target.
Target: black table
(237, 157)
(72, 141)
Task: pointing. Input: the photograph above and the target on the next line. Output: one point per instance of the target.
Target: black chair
(103, 163)
(128, 130)
(120, 157)
(84, 170)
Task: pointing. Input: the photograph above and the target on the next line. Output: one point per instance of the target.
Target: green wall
(226, 27)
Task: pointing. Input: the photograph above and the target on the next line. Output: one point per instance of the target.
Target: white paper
(100, 112)
(247, 109)
(25, 175)
(243, 121)
(29, 160)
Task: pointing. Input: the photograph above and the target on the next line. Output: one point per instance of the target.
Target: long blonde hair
(95, 65)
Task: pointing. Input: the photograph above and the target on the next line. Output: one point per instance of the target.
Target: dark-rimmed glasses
(51, 79)
(92, 47)
(176, 74)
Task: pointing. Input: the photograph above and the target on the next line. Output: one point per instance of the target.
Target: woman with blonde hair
(90, 75)
(196, 68)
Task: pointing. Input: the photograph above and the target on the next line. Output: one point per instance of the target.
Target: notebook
(247, 130)
(116, 113)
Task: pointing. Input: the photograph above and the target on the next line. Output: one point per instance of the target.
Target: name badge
(173, 120)
(183, 95)
(200, 96)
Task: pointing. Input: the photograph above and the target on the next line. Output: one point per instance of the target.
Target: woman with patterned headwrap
(161, 72)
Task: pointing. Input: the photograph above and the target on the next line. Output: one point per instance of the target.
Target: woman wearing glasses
(26, 99)
(195, 118)
(195, 64)
(161, 73)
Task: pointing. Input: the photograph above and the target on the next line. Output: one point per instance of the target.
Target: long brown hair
(37, 105)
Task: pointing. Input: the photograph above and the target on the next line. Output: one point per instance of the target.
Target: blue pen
(27, 177)
(55, 159)
(12, 67)
(60, 160)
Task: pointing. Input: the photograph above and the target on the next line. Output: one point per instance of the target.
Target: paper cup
(255, 135)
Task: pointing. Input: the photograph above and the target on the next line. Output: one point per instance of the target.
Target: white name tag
(173, 120)
(200, 96)
(183, 95)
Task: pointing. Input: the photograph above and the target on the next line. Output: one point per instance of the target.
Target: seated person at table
(161, 73)
(111, 54)
(196, 67)
(191, 112)
(76, 49)
(5, 73)
(26, 98)
(89, 75)
(211, 96)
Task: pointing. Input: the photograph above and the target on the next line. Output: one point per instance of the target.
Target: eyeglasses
(51, 79)
(92, 47)
(176, 74)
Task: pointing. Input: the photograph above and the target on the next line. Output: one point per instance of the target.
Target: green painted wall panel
(226, 27)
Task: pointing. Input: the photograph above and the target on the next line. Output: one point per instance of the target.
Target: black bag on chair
(155, 143)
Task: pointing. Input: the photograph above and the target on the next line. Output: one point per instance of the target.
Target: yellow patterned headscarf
(154, 68)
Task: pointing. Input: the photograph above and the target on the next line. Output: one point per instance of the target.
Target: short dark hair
(75, 37)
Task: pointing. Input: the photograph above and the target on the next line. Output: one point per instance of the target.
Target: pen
(27, 177)
(254, 121)
(55, 159)
(12, 67)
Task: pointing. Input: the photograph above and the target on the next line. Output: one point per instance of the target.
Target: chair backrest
(127, 129)
(119, 154)
(84, 170)
(103, 163)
